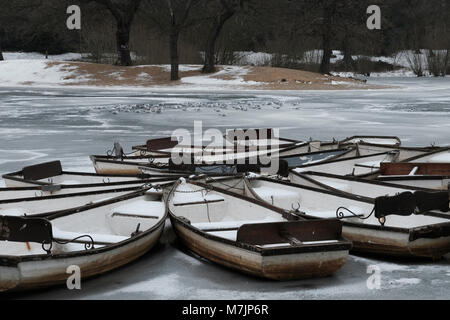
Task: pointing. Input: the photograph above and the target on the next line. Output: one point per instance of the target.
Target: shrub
(438, 62)
(416, 63)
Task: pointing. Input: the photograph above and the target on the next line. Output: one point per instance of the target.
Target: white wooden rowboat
(430, 170)
(322, 146)
(48, 179)
(36, 252)
(404, 153)
(233, 140)
(390, 141)
(349, 185)
(52, 174)
(253, 237)
(365, 166)
(423, 235)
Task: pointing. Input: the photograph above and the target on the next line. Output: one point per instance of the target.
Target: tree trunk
(174, 59)
(210, 56)
(123, 45)
(327, 36)
(348, 59)
(325, 66)
(1, 38)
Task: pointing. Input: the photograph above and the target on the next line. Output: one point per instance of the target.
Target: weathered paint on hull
(282, 267)
(395, 243)
(38, 274)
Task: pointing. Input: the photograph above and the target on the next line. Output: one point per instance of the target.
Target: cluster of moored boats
(364, 194)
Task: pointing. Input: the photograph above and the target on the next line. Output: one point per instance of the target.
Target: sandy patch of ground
(228, 77)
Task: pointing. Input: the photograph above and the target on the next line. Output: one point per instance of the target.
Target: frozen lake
(42, 124)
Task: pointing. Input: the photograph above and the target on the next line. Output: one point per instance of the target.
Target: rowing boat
(233, 140)
(404, 153)
(431, 170)
(391, 141)
(223, 164)
(383, 142)
(359, 166)
(42, 252)
(48, 179)
(252, 237)
(349, 185)
(422, 235)
(52, 174)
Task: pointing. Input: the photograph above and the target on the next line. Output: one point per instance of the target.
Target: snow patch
(26, 72)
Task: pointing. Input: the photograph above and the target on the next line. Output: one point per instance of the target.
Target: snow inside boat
(49, 205)
(253, 237)
(422, 235)
(36, 252)
(442, 155)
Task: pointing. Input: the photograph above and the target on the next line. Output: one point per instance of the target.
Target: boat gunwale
(79, 194)
(38, 185)
(398, 144)
(415, 177)
(405, 148)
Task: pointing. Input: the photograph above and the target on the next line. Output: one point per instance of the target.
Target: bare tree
(328, 32)
(228, 9)
(179, 12)
(2, 34)
(123, 12)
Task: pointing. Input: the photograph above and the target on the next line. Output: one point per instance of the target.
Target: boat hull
(390, 243)
(277, 267)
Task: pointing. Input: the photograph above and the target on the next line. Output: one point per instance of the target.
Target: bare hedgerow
(438, 62)
(416, 62)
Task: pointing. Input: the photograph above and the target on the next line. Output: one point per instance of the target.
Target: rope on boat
(87, 246)
(114, 150)
(191, 191)
(340, 215)
(226, 185)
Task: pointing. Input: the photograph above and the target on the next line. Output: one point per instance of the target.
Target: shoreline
(69, 74)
